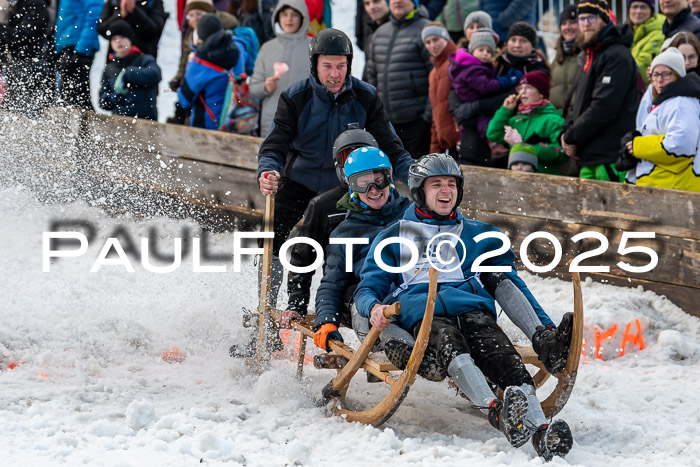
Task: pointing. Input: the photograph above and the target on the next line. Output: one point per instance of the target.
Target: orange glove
(327, 332)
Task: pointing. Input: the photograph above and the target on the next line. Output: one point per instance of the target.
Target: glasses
(363, 181)
(590, 19)
(664, 75)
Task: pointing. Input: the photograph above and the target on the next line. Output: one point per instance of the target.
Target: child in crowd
(130, 79)
(528, 117)
(522, 158)
(474, 77)
(206, 77)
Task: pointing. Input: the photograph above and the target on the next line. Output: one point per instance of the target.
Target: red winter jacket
(443, 131)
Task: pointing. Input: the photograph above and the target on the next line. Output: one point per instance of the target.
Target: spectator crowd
(618, 101)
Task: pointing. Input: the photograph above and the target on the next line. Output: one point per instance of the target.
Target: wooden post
(261, 351)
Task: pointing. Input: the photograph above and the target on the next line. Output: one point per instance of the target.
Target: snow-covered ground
(83, 379)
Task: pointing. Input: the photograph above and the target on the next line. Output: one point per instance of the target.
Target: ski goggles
(363, 181)
(344, 153)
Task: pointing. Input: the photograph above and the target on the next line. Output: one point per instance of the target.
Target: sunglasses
(362, 182)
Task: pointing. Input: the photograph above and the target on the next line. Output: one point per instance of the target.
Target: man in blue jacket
(76, 44)
(464, 336)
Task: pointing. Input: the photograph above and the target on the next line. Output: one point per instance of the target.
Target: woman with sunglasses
(663, 150)
(372, 204)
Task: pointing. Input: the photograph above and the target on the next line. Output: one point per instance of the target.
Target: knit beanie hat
(595, 7)
(483, 36)
(672, 58)
(651, 3)
(522, 153)
(479, 17)
(434, 30)
(120, 27)
(208, 25)
(569, 12)
(521, 28)
(539, 80)
(206, 5)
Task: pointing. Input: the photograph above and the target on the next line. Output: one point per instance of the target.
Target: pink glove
(280, 69)
(512, 136)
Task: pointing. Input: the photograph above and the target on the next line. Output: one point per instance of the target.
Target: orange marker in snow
(173, 355)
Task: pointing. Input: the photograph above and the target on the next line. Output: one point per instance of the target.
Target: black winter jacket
(684, 21)
(147, 21)
(26, 35)
(398, 65)
(606, 98)
(142, 76)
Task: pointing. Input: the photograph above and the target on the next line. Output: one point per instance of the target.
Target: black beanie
(208, 25)
(521, 28)
(569, 12)
(120, 27)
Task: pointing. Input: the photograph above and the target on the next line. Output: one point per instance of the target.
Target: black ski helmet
(329, 42)
(352, 138)
(433, 165)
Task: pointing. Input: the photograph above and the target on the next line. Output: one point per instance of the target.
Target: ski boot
(552, 344)
(399, 352)
(553, 439)
(508, 416)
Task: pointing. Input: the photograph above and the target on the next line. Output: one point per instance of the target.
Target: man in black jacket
(398, 65)
(679, 17)
(145, 18)
(606, 96)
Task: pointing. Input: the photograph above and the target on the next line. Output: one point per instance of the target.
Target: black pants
(291, 201)
(74, 89)
(478, 334)
(415, 137)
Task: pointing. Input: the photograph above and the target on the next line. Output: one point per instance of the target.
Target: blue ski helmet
(364, 159)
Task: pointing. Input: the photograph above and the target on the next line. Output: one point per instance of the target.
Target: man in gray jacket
(398, 66)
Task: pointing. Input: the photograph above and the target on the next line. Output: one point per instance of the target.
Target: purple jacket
(472, 79)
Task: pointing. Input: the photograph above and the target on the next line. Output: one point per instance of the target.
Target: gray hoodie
(292, 49)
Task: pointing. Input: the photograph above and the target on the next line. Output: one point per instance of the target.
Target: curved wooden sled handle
(399, 389)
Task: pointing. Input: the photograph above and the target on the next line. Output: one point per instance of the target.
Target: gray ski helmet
(329, 42)
(353, 138)
(433, 165)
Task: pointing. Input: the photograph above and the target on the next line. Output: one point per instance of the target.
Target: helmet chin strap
(429, 213)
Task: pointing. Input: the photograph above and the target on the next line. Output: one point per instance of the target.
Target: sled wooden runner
(264, 326)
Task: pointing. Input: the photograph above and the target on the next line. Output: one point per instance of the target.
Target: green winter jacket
(648, 38)
(540, 129)
(455, 12)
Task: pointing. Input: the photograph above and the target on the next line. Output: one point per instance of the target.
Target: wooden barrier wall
(151, 168)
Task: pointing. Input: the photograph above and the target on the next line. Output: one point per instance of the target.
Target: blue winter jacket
(506, 12)
(453, 298)
(206, 78)
(76, 25)
(142, 75)
(367, 223)
(309, 119)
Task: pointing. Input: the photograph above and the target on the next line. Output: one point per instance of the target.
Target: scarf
(527, 108)
(568, 46)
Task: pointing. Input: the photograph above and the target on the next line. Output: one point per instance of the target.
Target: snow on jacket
(606, 99)
(76, 25)
(459, 292)
(648, 38)
(292, 49)
(684, 21)
(309, 119)
(398, 65)
(206, 79)
(141, 75)
(507, 12)
(443, 129)
(668, 147)
(455, 12)
(147, 20)
(541, 129)
(359, 223)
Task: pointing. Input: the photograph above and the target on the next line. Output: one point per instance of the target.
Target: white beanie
(672, 58)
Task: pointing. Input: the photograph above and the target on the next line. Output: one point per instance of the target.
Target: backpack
(249, 40)
(240, 112)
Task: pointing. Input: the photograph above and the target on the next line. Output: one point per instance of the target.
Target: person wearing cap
(455, 15)
(565, 66)
(145, 18)
(473, 22)
(291, 47)
(443, 129)
(204, 86)
(130, 79)
(398, 65)
(663, 152)
(648, 33)
(522, 158)
(505, 13)
(465, 336)
(606, 95)
(529, 117)
(473, 77)
(679, 17)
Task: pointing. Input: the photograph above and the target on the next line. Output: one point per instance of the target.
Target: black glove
(66, 60)
(552, 344)
(626, 161)
(174, 84)
(83, 60)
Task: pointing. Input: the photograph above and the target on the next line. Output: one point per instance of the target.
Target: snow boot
(508, 416)
(399, 352)
(552, 344)
(553, 439)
